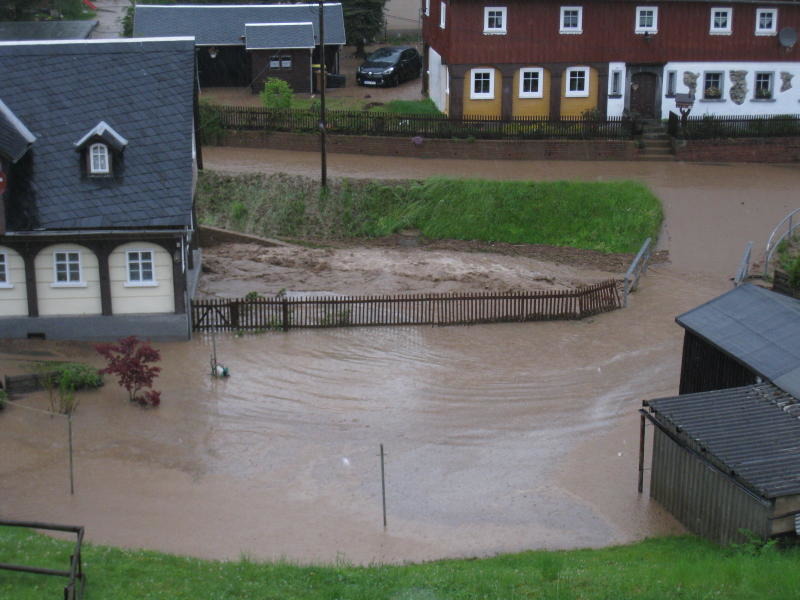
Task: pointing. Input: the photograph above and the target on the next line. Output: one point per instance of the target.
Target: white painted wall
(437, 80)
(13, 294)
(787, 102)
(55, 299)
(128, 298)
(615, 106)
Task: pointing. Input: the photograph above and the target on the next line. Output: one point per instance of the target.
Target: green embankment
(607, 216)
(683, 568)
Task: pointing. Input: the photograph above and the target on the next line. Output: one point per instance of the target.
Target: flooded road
(498, 438)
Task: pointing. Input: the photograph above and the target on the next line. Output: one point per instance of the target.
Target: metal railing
(744, 266)
(76, 579)
(635, 271)
(790, 222)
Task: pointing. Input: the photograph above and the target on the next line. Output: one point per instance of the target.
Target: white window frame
(584, 93)
(639, 28)
(103, 166)
(540, 73)
(570, 30)
(727, 30)
(152, 282)
(672, 84)
(442, 15)
(615, 83)
(5, 276)
(495, 30)
(481, 95)
(721, 85)
(427, 8)
(67, 261)
(771, 85)
(774, 29)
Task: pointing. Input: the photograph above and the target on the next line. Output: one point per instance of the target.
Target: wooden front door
(643, 94)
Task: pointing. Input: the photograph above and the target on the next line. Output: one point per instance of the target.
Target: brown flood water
(498, 438)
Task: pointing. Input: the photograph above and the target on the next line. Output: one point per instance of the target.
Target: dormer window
(102, 149)
(98, 160)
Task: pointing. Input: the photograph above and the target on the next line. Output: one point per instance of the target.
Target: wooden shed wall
(705, 500)
(704, 368)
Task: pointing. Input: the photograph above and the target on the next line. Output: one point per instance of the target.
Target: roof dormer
(102, 149)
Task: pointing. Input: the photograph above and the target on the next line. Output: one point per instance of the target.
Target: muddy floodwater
(498, 438)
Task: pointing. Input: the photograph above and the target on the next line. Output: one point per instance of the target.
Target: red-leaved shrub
(130, 361)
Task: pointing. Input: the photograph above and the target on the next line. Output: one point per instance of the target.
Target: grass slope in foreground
(658, 569)
(606, 216)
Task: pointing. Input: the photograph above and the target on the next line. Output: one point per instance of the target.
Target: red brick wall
(762, 150)
(433, 148)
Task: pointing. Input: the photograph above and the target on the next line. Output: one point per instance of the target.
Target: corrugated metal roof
(269, 36)
(752, 433)
(17, 31)
(757, 327)
(224, 25)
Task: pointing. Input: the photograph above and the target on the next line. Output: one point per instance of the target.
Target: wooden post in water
(285, 313)
(383, 488)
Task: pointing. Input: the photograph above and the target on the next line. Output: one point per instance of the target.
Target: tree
(363, 22)
(130, 360)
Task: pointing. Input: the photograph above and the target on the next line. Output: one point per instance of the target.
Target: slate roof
(143, 89)
(15, 138)
(224, 25)
(11, 31)
(751, 433)
(267, 36)
(757, 327)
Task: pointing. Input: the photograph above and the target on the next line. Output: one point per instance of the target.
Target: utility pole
(323, 83)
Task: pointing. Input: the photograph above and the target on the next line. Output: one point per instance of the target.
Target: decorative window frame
(727, 30)
(584, 93)
(473, 95)
(615, 84)
(105, 156)
(721, 86)
(771, 96)
(69, 282)
(141, 282)
(570, 30)
(638, 28)
(442, 15)
(537, 94)
(5, 272)
(774, 29)
(671, 84)
(495, 30)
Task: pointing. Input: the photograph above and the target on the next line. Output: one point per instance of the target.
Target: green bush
(210, 123)
(78, 376)
(277, 94)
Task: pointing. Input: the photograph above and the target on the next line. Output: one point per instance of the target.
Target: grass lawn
(657, 569)
(609, 217)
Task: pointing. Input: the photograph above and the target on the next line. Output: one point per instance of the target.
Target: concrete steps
(655, 142)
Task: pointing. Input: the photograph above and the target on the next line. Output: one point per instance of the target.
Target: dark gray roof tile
(11, 31)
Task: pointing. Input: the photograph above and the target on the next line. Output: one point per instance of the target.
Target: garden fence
(261, 314)
(421, 126)
(716, 127)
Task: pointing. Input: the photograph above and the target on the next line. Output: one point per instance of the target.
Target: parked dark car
(389, 66)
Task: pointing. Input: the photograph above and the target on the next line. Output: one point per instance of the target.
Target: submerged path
(499, 437)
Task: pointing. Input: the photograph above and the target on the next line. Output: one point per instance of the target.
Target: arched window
(98, 159)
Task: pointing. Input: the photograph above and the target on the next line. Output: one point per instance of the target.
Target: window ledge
(615, 95)
(766, 33)
(530, 96)
(762, 100)
(646, 31)
(570, 31)
(6, 286)
(669, 95)
(720, 33)
(712, 100)
(494, 32)
(133, 284)
(68, 284)
(481, 97)
(577, 95)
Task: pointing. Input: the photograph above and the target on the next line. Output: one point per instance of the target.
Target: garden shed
(745, 336)
(243, 45)
(726, 462)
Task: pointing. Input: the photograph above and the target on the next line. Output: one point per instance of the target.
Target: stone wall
(435, 148)
(761, 150)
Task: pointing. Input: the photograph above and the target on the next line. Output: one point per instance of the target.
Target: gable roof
(757, 327)
(15, 138)
(751, 433)
(105, 132)
(267, 36)
(45, 30)
(224, 25)
(144, 90)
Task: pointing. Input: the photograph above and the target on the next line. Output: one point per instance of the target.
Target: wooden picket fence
(261, 314)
